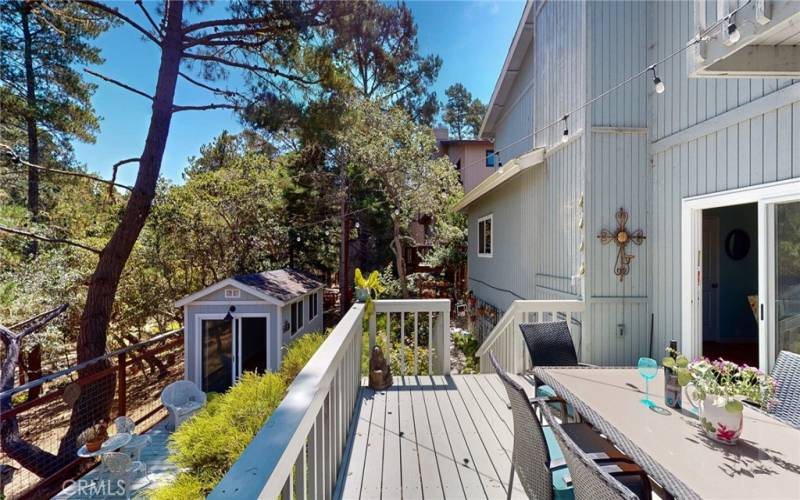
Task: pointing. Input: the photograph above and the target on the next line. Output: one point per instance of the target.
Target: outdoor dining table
(669, 444)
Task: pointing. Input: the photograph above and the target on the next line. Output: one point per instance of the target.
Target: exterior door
(217, 355)
(710, 277)
(252, 338)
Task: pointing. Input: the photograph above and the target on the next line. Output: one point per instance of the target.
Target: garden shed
(241, 324)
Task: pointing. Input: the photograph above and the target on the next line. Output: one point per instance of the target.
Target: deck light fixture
(733, 31)
(657, 83)
(565, 135)
(229, 316)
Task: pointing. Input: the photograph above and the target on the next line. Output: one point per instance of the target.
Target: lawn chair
(182, 399)
(787, 374)
(591, 479)
(137, 443)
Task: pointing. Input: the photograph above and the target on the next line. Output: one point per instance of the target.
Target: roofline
(506, 70)
(509, 170)
(450, 142)
(229, 282)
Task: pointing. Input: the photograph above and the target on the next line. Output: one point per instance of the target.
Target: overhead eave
(514, 59)
(769, 43)
(509, 170)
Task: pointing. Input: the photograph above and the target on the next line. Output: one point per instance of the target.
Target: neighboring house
(473, 158)
(242, 323)
(709, 170)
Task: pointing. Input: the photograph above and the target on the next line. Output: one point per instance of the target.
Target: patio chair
(120, 468)
(787, 374)
(595, 480)
(181, 399)
(550, 344)
(536, 457)
(137, 443)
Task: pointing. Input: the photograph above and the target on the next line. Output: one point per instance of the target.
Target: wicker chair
(787, 374)
(181, 399)
(536, 457)
(550, 344)
(593, 480)
(137, 443)
(120, 467)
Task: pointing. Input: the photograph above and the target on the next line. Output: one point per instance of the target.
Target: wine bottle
(672, 389)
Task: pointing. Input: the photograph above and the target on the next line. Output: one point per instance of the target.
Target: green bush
(298, 354)
(467, 344)
(206, 446)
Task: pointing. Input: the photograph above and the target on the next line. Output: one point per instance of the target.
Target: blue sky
(471, 37)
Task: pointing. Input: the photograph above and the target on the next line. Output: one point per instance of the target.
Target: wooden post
(372, 331)
(122, 385)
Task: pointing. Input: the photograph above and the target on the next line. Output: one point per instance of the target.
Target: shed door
(217, 355)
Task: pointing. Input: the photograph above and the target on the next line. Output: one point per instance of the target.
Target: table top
(113, 443)
(671, 446)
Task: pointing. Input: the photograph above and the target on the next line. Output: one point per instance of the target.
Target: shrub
(468, 345)
(298, 354)
(206, 446)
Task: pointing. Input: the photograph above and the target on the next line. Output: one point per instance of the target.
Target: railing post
(442, 343)
(372, 330)
(122, 385)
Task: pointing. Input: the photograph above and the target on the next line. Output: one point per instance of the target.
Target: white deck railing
(505, 339)
(299, 451)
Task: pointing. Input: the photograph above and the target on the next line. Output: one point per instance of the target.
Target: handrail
(266, 467)
(52, 376)
(524, 306)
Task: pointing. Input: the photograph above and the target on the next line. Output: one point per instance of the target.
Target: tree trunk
(344, 254)
(34, 365)
(400, 260)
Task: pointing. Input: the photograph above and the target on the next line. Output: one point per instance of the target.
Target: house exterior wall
(714, 156)
(313, 325)
(633, 149)
(472, 155)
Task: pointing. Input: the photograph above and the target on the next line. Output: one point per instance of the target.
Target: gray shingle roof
(283, 284)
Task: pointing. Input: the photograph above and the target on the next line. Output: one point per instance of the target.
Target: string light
(659, 85)
(733, 31)
(358, 225)
(298, 239)
(397, 211)
(565, 135)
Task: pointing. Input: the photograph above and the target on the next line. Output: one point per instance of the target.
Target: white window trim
(490, 218)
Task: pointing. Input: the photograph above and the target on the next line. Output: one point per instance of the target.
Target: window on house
(490, 157)
(294, 318)
(485, 236)
(299, 314)
(312, 306)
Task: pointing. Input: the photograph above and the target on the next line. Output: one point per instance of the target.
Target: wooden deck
(432, 437)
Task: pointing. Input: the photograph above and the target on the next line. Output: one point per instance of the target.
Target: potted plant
(94, 435)
(368, 289)
(717, 389)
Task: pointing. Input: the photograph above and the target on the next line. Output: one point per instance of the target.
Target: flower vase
(718, 422)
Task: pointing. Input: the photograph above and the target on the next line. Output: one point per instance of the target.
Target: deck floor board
(411, 440)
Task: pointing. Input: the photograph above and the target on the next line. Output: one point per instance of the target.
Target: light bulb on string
(565, 135)
(298, 239)
(397, 211)
(733, 32)
(358, 225)
(657, 83)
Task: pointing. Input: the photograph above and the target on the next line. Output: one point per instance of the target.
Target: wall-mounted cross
(622, 237)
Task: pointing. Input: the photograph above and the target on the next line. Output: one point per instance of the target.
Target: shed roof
(283, 284)
(278, 286)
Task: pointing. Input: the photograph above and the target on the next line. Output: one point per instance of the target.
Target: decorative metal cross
(622, 237)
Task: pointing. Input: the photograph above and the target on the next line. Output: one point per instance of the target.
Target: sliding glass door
(217, 343)
(784, 330)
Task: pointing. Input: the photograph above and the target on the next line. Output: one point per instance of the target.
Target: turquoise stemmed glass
(648, 369)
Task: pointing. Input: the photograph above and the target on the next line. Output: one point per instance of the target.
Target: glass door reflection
(217, 337)
(787, 277)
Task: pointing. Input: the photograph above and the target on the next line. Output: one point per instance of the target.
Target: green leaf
(684, 377)
(734, 406)
(668, 362)
(682, 361)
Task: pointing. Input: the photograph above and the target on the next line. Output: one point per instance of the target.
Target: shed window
(312, 306)
(490, 157)
(297, 316)
(485, 236)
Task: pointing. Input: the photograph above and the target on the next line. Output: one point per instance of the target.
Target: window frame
(313, 307)
(481, 236)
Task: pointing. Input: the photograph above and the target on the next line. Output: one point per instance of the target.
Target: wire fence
(41, 437)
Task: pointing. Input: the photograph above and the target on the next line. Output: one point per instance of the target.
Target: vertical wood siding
(515, 126)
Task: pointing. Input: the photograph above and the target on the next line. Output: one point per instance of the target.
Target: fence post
(122, 385)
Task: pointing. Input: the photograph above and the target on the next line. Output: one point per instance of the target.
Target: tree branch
(223, 22)
(115, 12)
(147, 15)
(216, 90)
(205, 40)
(176, 108)
(27, 234)
(114, 168)
(247, 66)
(34, 323)
(16, 159)
(118, 83)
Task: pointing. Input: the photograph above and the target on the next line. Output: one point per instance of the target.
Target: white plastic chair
(120, 468)
(137, 443)
(181, 399)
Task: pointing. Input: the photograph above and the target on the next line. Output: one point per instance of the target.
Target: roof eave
(509, 170)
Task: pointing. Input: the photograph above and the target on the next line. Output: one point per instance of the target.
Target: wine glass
(648, 369)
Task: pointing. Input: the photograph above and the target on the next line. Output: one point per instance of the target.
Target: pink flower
(725, 434)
